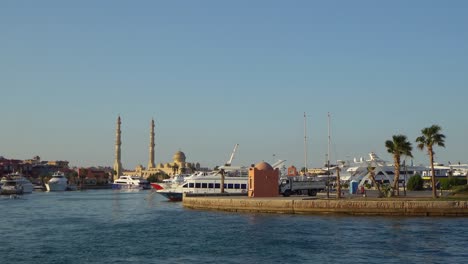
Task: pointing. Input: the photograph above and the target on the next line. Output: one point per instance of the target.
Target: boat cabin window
(243, 186)
(210, 185)
(185, 185)
(217, 185)
(230, 186)
(197, 185)
(204, 185)
(191, 185)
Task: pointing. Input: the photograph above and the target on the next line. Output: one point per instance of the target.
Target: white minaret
(151, 147)
(118, 142)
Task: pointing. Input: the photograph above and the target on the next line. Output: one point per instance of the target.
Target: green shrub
(386, 190)
(450, 182)
(461, 189)
(415, 183)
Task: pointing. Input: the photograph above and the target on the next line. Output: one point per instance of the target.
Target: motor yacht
(22, 181)
(58, 182)
(358, 170)
(131, 182)
(10, 186)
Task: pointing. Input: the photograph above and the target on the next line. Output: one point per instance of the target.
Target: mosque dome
(179, 157)
(263, 166)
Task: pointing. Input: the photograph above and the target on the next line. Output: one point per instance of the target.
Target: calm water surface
(106, 226)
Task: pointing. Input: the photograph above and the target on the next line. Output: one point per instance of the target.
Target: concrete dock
(305, 205)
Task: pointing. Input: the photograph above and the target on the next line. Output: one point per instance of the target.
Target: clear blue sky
(216, 73)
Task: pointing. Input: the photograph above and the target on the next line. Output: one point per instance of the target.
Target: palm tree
(371, 171)
(431, 136)
(398, 146)
(222, 179)
(338, 183)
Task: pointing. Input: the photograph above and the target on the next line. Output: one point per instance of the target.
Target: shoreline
(409, 206)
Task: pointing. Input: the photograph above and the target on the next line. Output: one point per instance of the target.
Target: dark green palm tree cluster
(399, 146)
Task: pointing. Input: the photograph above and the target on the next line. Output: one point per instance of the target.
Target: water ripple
(105, 226)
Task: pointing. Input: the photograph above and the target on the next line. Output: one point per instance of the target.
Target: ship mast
(305, 144)
(328, 151)
(328, 158)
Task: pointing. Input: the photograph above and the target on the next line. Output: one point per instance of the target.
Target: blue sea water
(111, 226)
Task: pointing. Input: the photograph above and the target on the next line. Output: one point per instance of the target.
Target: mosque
(179, 165)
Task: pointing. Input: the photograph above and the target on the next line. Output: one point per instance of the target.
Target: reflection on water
(112, 226)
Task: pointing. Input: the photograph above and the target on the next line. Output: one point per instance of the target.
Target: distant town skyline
(213, 74)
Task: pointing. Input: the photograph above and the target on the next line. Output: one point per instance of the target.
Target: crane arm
(232, 155)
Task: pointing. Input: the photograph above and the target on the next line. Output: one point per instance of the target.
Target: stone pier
(394, 207)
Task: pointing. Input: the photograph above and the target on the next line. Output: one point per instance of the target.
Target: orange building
(292, 171)
(263, 181)
(93, 176)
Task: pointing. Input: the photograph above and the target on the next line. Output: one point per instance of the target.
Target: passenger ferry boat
(127, 182)
(235, 181)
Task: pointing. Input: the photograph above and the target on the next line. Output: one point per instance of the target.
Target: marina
(233, 132)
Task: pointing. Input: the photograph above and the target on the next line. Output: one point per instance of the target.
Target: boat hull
(157, 186)
(116, 186)
(55, 187)
(28, 188)
(172, 196)
(9, 191)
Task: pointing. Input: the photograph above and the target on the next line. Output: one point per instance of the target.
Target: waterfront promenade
(414, 204)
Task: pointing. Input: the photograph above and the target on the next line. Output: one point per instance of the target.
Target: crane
(277, 164)
(228, 163)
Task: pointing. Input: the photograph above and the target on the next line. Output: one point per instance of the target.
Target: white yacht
(131, 182)
(235, 181)
(357, 170)
(58, 182)
(459, 169)
(172, 182)
(26, 185)
(11, 187)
